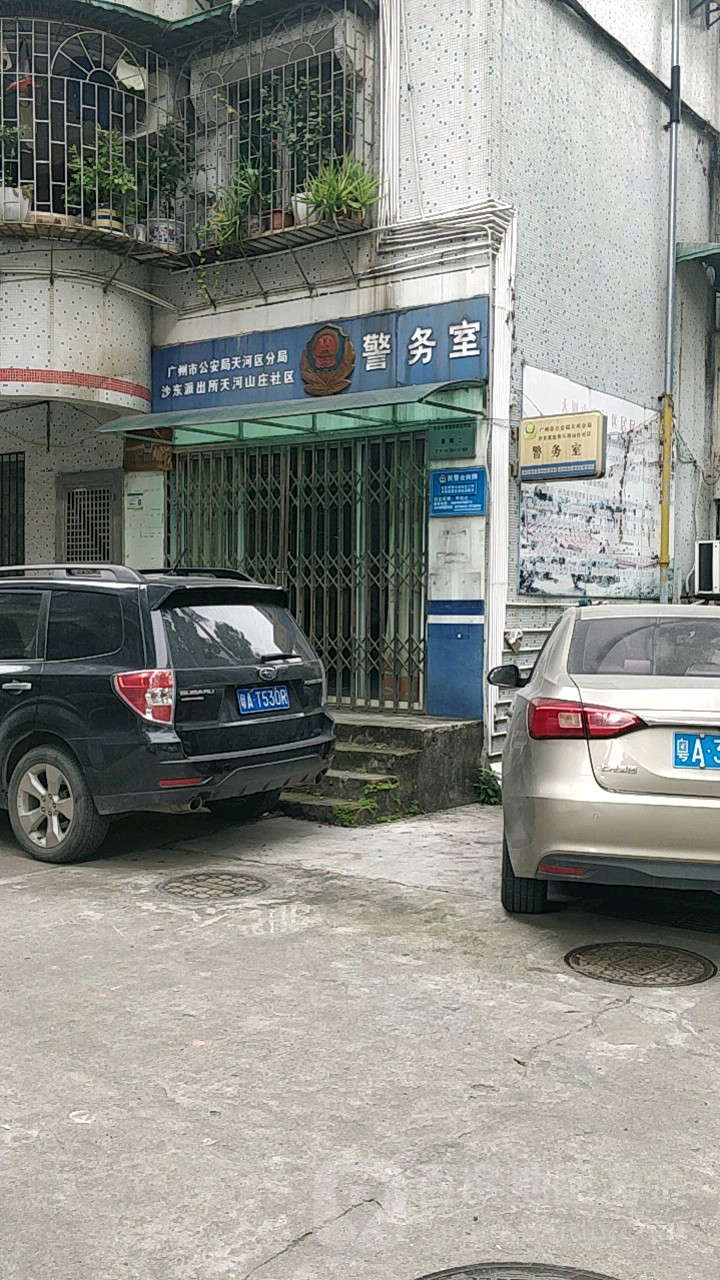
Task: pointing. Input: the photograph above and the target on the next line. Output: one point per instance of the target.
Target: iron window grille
(96, 130)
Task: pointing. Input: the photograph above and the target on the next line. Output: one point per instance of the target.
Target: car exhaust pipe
(190, 806)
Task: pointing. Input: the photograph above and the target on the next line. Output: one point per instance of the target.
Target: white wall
(584, 159)
(644, 27)
(73, 445)
(72, 339)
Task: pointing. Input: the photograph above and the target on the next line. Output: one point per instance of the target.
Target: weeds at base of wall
(487, 787)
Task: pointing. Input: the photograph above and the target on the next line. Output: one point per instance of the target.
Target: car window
(84, 624)
(228, 634)
(19, 616)
(646, 647)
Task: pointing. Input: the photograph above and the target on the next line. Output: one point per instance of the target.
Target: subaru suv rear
(126, 690)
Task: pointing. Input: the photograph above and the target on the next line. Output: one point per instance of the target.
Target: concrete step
(358, 757)
(384, 732)
(348, 785)
(331, 810)
(387, 766)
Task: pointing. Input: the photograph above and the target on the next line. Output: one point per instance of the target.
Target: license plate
(252, 701)
(696, 751)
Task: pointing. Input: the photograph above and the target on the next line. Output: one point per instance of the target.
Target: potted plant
(303, 211)
(163, 178)
(303, 121)
(343, 190)
(229, 219)
(15, 197)
(101, 184)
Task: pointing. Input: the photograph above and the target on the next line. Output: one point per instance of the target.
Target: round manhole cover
(640, 964)
(514, 1271)
(208, 886)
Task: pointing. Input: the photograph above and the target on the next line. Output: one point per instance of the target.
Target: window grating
(12, 508)
(88, 524)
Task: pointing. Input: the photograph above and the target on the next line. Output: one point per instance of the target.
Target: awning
(405, 408)
(708, 254)
(132, 24)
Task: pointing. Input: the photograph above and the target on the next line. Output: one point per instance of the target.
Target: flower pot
(106, 219)
(166, 233)
(14, 206)
(303, 212)
(278, 219)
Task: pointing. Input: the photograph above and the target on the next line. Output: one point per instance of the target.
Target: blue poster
(424, 346)
(459, 491)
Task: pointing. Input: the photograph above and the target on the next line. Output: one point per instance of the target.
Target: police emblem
(327, 362)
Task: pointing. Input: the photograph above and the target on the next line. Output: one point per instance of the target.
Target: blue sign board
(447, 342)
(458, 492)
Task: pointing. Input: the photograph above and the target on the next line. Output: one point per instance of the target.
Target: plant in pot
(304, 120)
(163, 180)
(228, 219)
(15, 197)
(343, 190)
(101, 184)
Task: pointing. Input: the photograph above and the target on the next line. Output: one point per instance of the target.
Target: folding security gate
(341, 524)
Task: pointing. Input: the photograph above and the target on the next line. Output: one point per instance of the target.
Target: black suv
(126, 690)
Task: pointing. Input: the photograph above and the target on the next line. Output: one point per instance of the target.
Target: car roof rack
(193, 572)
(117, 572)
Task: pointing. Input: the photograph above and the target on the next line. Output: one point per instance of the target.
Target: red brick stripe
(67, 379)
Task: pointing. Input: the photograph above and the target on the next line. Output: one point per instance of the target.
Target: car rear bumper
(646, 873)
(615, 832)
(168, 783)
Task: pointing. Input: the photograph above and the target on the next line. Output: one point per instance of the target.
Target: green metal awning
(708, 254)
(403, 409)
(133, 24)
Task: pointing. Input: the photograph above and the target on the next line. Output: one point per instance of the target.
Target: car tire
(244, 808)
(51, 808)
(519, 895)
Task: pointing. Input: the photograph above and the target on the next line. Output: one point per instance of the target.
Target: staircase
(391, 766)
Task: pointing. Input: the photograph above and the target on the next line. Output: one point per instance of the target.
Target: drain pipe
(667, 398)
(498, 559)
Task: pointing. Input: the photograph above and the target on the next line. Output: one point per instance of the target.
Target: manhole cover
(514, 1271)
(640, 964)
(210, 885)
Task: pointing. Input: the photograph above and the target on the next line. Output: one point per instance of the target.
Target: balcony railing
(274, 133)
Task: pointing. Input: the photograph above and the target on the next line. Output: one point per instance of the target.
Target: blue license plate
(696, 751)
(253, 701)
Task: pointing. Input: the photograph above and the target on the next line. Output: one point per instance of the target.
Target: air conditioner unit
(707, 568)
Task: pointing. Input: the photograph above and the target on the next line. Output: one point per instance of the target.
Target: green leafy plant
(164, 164)
(101, 175)
(343, 189)
(227, 220)
(487, 787)
(307, 120)
(10, 138)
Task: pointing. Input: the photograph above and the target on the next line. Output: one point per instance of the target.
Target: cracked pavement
(364, 1069)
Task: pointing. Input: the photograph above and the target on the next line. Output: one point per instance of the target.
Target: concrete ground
(364, 1071)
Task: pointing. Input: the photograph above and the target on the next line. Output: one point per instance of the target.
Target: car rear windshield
(646, 646)
(231, 634)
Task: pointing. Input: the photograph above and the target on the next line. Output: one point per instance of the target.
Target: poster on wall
(593, 538)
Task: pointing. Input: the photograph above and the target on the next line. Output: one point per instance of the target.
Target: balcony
(262, 145)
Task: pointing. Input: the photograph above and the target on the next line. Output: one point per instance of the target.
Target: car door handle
(17, 686)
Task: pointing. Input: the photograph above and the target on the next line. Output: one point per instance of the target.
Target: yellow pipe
(665, 484)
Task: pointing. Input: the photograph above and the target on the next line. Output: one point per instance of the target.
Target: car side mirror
(507, 677)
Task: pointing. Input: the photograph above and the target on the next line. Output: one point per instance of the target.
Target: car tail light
(555, 718)
(150, 693)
